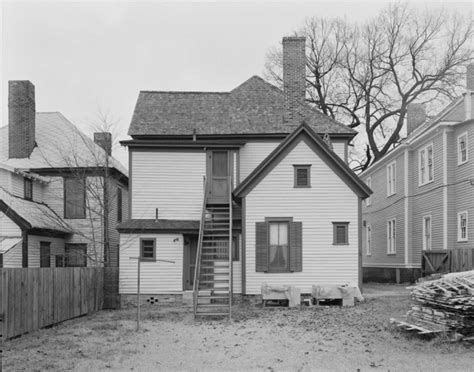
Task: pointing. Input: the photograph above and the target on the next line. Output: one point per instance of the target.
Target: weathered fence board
(33, 298)
(444, 261)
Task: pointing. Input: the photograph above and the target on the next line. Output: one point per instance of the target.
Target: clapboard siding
(57, 248)
(340, 148)
(16, 186)
(5, 179)
(14, 257)
(252, 155)
(329, 199)
(169, 181)
(156, 277)
(8, 227)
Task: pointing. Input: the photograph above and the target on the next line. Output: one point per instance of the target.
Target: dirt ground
(272, 338)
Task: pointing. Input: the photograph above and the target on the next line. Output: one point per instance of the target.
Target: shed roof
(254, 107)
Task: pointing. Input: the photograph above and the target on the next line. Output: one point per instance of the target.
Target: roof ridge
(180, 92)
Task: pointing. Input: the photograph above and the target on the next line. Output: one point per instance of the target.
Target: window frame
(335, 225)
(149, 259)
(460, 161)
(306, 167)
(65, 197)
(391, 183)
(368, 200)
(459, 228)
(425, 246)
(368, 240)
(45, 245)
(71, 246)
(392, 237)
(286, 221)
(27, 188)
(429, 170)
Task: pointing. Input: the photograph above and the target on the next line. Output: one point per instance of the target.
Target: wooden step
(215, 281)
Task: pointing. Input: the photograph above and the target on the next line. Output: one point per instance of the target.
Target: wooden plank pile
(442, 305)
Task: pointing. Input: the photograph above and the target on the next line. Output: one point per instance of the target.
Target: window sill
(388, 196)
(336, 244)
(74, 218)
(463, 241)
(302, 187)
(426, 183)
(391, 254)
(464, 162)
(147, 259)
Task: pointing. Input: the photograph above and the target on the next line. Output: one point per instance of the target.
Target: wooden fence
(33, 298)
(451, 260)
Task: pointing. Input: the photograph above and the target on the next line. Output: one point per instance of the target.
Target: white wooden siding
(14, 257)
(8, 227)
(5, 179)
(169, 181)
(57, 248)
(329, 199)
(339, 147)
(16, 186)
(156, 277)
(252, 155)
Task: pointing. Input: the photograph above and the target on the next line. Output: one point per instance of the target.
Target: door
(218, 171)
(190, 249)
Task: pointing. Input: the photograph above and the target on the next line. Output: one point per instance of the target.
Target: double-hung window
(278, 246)
(391, 236)
(462, 149)
(391, 179)
(425, 164)
(28, 189)
(368, 238)
(462, 226)
(426, 233)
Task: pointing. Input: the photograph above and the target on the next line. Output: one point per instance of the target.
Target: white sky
(86, 57)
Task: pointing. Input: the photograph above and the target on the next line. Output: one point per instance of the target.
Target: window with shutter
(278, 245)
(302, 175)
(74, 198)
(340, 233)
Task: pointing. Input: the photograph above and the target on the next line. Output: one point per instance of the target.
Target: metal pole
(138, 295)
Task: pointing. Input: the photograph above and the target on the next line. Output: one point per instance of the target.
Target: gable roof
(303, 133)
(254, 107)
(59, 145)
(31, 215)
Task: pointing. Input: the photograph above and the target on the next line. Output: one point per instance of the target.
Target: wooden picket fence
(33, 298)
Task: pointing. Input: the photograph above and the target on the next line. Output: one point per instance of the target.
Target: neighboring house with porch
(423, 192)
(255, 169)
(52, 184)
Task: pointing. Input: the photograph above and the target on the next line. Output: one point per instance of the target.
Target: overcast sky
(88, 57)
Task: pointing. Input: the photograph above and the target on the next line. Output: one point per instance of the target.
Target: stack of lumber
(442, 305)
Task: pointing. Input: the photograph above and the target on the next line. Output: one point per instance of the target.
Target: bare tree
(367, 74)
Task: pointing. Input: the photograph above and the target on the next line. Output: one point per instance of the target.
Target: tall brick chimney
(104, 140)
(21, 118)
(469, 96)
(294, 75)
(470, 77)
(416, 115)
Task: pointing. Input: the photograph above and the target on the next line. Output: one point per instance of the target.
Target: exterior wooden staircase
(213, 274)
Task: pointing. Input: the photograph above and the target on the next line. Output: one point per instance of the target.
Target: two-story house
(423, 192)
(255, 169)
(61, 194)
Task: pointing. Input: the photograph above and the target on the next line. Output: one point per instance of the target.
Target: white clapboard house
(255, 168)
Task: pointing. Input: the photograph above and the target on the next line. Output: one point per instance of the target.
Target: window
(391, 172)
(76, 255)
(462, 148)
(462, 226)
(391, 237)
(302, 175)
(45, 254)
(278, 245)
(28, 189)
(74, 198)
(119, 204)
(148, 249)
(236, 248)
(427, 233)
(425, 164)
(368, 182)
(368, 238)
(340, 233)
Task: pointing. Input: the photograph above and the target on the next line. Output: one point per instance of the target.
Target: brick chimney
(469, 96)
(294, 74)
(21, 118)
(416, 115)
(104, 140)
(470, 77)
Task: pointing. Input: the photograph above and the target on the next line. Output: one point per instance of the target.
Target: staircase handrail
(229, 185)
(197, 267)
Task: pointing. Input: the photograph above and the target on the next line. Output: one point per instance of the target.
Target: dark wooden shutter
(261, 247)
(296, 246)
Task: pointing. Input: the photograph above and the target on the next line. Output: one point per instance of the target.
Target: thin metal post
(138, 295)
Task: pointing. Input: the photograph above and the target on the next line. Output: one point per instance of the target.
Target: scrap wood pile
(443, 305)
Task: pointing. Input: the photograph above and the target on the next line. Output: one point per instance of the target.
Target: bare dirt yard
(272, 338)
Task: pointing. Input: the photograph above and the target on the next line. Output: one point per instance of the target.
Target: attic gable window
(28, 189)
(302, 175)
(74, 198)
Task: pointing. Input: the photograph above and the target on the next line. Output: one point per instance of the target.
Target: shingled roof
(254, 107)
